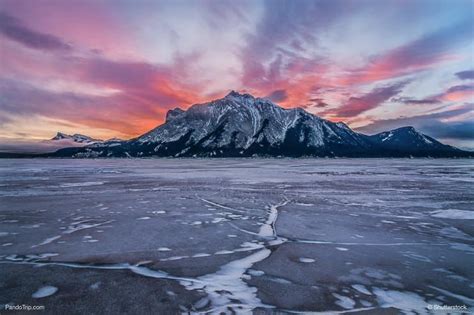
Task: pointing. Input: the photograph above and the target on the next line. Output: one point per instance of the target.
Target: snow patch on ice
(453, 214)
(344, 301)
(226, 286)
(201, 255)
(83, 184)
(44, 292)
(406, 301)
(459, 297)
(361, 288)
(159, 212)
(47, 241)
(144, 218)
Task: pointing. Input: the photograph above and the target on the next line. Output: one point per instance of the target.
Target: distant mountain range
(75, 138)
(240, 125)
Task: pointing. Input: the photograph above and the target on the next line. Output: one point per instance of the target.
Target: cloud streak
(465, 75)
(420, 54)
(357, 105)
(13, 29)
(439, 124)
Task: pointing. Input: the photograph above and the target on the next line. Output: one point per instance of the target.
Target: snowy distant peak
(60, 136)
(233, 94)
(407, 129)
(173, 113)
(75, 137)
(408, 139)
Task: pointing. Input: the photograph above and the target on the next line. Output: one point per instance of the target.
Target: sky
(114, 68)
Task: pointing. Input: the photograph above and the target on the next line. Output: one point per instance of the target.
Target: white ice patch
(452, 232)
(47, 241)
(174, 258)
(462, 247)
(218, 220)
(406, 301)
(144, 218)
(304, 204)
(342, 249)
(201, 303)
(268, 228)
(201, 255)
(453, 214)
(78, 226)
(255, 273)
(219, 205)
(44, 292)
(164, 249)
(361, 288)
(224, 252)
(306, 260)
(416, 257)
(226, 286)
(83, 184)
(159, 212)
(95, 286)
(459, 297)
(344, 301)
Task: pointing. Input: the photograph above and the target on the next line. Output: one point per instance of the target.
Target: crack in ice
(226, 288)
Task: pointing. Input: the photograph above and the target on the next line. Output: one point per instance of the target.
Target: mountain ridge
(241, 125)
(75, 137)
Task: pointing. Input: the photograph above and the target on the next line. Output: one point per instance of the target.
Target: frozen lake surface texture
(237, 235)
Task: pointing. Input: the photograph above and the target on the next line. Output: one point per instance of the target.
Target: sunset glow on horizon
(114, 68)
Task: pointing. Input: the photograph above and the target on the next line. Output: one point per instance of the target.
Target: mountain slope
(240, 125)
(408, 140)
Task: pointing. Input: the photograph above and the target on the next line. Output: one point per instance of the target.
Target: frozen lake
(222, 235)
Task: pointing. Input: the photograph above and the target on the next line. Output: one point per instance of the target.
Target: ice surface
(238, 235)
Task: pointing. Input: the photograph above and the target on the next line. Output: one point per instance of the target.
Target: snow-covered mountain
(75, 137)
(407, 139)
(240, 125)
